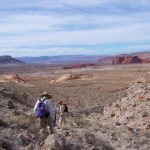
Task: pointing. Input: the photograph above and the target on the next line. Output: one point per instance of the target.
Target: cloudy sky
(66, 27)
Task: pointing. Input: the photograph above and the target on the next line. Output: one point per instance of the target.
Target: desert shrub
(23, 121)
(82, 122)
(25, 98)
(5, 144)
(3, 123)
(34, 126)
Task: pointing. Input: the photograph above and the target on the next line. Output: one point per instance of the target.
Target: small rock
(112, 115)
(147, 134)
(19, 141)
(118, 123)
(148, 126)
(145, 114)
(11, 105)
(95, 148)
(16, 113)
(13, 126)
(3, 123)
(113, 134)
(148, 99)
(2, 89)
(134, 105)
(74, 124)
(117, 106)
(66, 133)
(130, 129)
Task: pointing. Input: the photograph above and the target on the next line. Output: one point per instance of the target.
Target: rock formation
(126, 60)
(13, 78)
(129, 60)
(70, 76)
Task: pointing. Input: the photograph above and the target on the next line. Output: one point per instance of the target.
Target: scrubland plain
(99, 85)
(87, 91)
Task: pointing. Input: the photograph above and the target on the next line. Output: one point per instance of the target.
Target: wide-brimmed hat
(45, 94)
(60, 102)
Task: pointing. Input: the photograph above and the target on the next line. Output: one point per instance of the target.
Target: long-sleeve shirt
(49, 107)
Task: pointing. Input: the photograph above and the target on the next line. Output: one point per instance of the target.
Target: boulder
(11, 105)
(23, 140)
(65, 77)
(13, 77)
(55, 142)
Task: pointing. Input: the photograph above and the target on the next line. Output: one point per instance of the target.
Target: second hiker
(63, 109)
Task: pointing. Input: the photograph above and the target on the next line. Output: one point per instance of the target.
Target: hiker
(63, 109)
(44, 110)
(54, 108)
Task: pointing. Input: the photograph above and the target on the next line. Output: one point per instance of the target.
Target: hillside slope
(126, 123)
(9, 60)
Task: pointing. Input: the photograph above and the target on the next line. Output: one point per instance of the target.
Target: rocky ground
(121, 125)
(126, 123)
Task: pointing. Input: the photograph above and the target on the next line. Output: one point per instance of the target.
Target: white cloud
(130, 33)
(34, 23)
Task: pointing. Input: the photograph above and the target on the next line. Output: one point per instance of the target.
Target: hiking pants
(44, 122)
(62, 119)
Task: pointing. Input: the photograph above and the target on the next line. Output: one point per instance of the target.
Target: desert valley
(109, 104)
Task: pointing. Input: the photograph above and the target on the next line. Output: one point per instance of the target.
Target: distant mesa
(126, 60)
(9, 60)
(141, 57)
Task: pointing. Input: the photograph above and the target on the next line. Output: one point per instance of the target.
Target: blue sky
(68, 27)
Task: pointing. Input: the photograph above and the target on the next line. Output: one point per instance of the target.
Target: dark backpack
(41, 110)
(65, 108)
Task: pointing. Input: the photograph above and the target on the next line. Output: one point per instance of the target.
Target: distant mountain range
(9, 60)
(64, 59)
(68, 59)
(78, 59)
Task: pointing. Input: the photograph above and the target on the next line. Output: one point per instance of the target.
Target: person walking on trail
(44, 110)
(63, 109)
